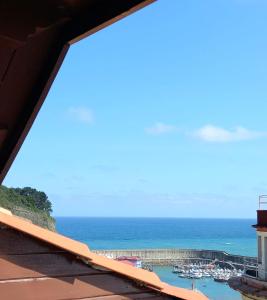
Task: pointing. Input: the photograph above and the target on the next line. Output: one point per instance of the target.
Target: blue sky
(161, 114)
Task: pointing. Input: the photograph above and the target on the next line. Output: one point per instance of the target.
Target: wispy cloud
(160, 128)
(211, 133)
(81, 114)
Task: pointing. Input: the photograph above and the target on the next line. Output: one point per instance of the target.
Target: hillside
(28, 203)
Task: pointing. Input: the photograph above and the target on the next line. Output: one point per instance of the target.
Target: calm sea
(232, 235)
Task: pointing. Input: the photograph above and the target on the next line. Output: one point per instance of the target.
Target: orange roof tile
(82, 250)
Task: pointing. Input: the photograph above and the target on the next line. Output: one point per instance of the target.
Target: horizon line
(157, 217)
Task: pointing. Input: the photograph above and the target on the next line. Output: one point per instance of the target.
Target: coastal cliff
(28, 203)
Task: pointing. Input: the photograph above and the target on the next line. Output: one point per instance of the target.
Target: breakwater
(170, 257)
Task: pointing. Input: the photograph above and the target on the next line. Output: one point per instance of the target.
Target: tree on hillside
(39, 198)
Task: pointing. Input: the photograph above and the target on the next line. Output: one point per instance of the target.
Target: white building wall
(262, 263)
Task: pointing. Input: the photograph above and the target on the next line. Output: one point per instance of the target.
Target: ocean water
(235, 236)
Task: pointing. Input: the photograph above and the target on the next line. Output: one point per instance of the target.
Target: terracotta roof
(149, 278)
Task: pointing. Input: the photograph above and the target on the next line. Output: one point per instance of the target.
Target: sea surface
(235, 236)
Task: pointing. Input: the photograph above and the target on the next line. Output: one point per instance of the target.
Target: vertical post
(262, 259)
(193, 284)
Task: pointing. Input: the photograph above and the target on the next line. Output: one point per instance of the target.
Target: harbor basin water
(235, 236)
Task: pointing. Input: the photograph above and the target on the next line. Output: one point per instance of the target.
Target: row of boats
(198, 271)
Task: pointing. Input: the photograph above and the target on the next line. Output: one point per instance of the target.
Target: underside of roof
(34, 39)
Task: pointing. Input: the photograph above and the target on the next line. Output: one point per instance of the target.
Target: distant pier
(171, 257)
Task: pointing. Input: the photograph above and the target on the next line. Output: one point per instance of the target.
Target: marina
(238, 252)
(213, 289)
(190, 264)
(198, 271)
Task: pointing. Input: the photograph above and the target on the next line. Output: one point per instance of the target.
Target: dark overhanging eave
(34, 39)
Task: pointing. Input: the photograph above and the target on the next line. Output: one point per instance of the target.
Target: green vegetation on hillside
(28, 203)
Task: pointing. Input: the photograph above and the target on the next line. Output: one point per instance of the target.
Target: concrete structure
(172, 256)
(261, 227)
(253, 284)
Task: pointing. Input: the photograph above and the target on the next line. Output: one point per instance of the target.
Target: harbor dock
(172, 257)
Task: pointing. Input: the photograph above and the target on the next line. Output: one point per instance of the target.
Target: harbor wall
(174, 256)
